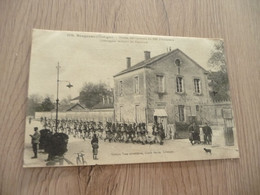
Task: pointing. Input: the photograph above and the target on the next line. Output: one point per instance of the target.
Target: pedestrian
(207, 134)
(94, 143)
(35, 141)
(194, 133)
(161, 133)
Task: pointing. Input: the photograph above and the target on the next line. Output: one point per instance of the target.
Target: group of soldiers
(134, 133)
(111, 132)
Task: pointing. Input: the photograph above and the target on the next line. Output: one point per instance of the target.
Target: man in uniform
(207, 134)
(35, 141)
(94, 143)
(194, 133)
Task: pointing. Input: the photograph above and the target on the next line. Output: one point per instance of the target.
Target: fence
(90, 115)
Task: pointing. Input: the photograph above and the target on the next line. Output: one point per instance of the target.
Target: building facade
(166, 88)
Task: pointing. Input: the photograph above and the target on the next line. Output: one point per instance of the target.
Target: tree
(37, 103)
(218, 73)
(47, 104)
(65, 101)
(33, 104)
(91, 94)
(217, 60)
(219, 86)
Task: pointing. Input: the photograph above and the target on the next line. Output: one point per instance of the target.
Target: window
(161, 84)
(179, 84)
(121, 88)
(178, 64)
(136, 85)
(197, 108)
(197, 86)
(181, 113)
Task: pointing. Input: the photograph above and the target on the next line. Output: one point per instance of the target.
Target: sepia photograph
(102, 98)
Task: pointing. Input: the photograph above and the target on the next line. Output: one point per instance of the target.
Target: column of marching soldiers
(111, 132)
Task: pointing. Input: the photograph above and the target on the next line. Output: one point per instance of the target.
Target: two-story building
(166, 88)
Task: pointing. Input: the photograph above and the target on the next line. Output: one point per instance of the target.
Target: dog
(207, 150)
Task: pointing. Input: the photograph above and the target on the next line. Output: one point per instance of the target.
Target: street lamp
(69, 85)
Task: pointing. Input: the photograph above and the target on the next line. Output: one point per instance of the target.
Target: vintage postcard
(97, 98)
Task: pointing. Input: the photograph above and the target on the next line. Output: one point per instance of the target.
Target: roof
(160, 112)
(76, 98)
(76, 107)
(65, 108)
(148, 62)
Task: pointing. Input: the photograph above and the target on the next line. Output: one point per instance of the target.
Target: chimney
(128, 62)
(147, 55)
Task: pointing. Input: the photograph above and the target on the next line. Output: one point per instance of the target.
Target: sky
(96, 57)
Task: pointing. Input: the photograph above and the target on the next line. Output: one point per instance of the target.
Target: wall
(92, 115)
(129, 100)
(171, 99)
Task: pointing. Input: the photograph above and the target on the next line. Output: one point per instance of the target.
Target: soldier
(194, 133)
(130, 133)
(143, 134)
(108, 134)
(35, 141)
(207, 134)
(161, 133)
(156, 133)
(94, 143)
(123, 133)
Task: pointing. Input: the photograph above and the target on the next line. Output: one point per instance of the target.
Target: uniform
(35, 141)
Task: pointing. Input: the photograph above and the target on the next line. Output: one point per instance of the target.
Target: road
(121, 153)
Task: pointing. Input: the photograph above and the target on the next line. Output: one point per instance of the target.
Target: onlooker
(35, 141)
(207, 134)
(194, 133)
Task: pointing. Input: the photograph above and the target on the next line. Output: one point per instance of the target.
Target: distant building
(75, 100)
(76, 107)
(107, 103)
(166, 88)
(70, 108)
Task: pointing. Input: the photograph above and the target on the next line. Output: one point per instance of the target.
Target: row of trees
(90, 95)
(37, 103)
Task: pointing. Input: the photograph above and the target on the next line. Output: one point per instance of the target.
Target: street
(122, 153)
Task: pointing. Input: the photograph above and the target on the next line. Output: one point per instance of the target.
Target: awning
(159, 112)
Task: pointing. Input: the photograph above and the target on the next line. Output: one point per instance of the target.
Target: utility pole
(69, 85)
(57, 100)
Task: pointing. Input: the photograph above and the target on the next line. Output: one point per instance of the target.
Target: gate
(228, 126)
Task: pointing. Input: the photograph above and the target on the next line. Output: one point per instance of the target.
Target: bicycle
(80, 158)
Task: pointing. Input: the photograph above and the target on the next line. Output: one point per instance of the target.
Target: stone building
(166, 88)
